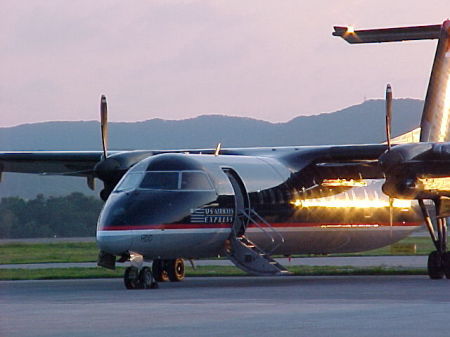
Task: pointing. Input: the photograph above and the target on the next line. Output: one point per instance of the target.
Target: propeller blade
(388, 114)
(104, 125)
(391, 211)
(388, 139)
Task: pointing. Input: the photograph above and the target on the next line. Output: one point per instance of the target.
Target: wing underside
(50, 163)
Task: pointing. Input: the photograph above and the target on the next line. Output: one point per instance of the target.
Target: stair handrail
(272, 239)
(272, 229)
(248, 212)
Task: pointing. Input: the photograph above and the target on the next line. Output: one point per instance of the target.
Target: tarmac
(354, 261)
(232, 306)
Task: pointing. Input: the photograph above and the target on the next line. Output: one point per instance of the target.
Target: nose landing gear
(135, 279)
(161, 271)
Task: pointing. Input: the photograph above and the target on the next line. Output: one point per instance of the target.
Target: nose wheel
(161, 271)
(139, 279)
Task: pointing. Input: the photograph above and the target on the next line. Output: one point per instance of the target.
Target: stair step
(250, 258)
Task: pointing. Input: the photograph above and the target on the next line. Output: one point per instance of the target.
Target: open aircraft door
(241, 202)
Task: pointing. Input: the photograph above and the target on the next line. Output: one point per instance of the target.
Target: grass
(204, 271)
(48, 252)
(59, 273)
(87, 251)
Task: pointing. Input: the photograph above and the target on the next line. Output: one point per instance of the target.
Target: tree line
(68, 216)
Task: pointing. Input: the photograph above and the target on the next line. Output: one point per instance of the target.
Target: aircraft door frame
(241, 200)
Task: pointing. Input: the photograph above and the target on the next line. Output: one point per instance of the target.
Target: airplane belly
(310, 240)
(358, 219)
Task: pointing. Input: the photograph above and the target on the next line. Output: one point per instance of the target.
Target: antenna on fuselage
(217, 150)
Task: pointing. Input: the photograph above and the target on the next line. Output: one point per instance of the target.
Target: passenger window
(195, 181)
(160, 180)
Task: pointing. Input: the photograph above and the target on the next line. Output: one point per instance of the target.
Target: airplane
(166, 206)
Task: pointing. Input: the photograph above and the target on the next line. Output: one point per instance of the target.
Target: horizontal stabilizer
(388, 34)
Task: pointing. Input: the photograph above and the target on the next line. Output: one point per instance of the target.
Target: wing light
(350, 30)
(330, 202)
(343, 183)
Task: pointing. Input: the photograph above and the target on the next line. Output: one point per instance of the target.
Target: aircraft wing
(74, 163)
(346, 161)
(415, 170)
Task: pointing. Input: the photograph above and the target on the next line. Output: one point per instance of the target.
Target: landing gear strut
(438, 260)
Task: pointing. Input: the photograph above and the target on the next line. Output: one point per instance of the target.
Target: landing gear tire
(435, 265)
(131, 278)
(146, 279)
(446, 264)
(160, 271)
(175, 270)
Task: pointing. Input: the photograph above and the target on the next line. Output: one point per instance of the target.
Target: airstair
(249, 257)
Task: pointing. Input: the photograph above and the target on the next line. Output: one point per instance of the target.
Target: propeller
(111, 167)
(388, 139)
(105, 169)
(402, 166)
(388, 115)
(104, 125)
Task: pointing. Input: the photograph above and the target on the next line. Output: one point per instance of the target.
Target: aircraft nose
(113, 227)
(113, 242)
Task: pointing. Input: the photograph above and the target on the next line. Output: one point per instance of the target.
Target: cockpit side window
(129, 182)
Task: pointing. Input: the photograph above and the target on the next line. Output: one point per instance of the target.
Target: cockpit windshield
(166, 180)
(161, 181)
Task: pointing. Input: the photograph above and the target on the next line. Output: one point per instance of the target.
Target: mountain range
(358, 124)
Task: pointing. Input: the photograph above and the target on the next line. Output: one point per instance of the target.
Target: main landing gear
(146, 278)
(439, 259)
(168, 270)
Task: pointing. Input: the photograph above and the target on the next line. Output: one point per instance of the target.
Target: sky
(269, 60)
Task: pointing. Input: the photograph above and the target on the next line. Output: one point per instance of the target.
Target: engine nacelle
(417, 171)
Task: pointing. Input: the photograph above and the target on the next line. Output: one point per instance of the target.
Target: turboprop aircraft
(250, 203)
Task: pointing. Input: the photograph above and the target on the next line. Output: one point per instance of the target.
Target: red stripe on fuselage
(276, 225)
(336, 225)
(171, 226)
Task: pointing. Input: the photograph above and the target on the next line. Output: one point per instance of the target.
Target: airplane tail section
(435, 124)
(435, 118)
